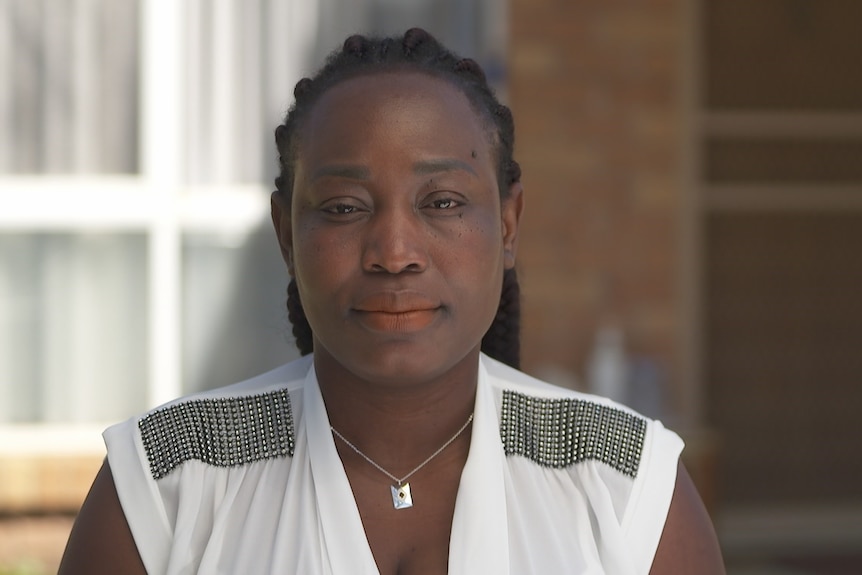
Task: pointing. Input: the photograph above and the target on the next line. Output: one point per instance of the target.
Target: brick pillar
(595, 89)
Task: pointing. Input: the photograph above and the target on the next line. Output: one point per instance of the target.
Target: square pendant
(401, 497)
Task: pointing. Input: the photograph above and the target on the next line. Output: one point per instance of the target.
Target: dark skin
(101, 541)
(397, 237)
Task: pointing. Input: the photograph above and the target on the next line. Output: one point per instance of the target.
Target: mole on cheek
(473, 153)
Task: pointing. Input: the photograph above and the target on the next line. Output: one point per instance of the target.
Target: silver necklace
(401, 496)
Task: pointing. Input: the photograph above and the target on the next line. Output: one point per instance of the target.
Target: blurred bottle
(607, 366)
(647, 388)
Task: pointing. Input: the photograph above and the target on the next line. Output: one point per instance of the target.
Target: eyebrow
(426, 167)
(350, 171)
(423, 167)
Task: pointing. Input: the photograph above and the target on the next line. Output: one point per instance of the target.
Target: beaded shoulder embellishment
(224, 432)
(561, 432)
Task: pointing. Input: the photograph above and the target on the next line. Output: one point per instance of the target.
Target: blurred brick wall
(595, 89)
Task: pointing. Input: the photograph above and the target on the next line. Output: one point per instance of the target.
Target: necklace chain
(415, 469)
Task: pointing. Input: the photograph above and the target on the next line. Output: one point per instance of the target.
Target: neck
(398, 422)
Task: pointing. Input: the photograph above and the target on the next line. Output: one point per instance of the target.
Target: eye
(340, 209)
(443, 202)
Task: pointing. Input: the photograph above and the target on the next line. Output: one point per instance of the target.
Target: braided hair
(416, 50)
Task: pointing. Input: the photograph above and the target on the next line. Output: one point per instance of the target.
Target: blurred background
(692, 242)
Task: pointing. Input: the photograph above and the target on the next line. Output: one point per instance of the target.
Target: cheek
(476, 256)
(485, 238)
(318, 258)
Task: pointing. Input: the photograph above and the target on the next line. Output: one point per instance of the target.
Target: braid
(296, 315)
(416, 50)
(502, 341)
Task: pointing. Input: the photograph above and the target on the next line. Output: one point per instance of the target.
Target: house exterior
(692, 177)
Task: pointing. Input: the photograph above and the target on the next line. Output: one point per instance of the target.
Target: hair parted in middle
(418, 51)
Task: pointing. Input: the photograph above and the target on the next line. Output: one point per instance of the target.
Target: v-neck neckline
(479, 539)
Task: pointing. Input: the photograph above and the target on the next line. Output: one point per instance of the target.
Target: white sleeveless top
(246, 479)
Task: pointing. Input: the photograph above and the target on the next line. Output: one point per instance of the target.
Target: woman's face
(397, 236)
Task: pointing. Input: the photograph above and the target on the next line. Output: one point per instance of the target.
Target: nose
(395, 242)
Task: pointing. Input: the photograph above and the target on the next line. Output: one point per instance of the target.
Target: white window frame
(153, 202)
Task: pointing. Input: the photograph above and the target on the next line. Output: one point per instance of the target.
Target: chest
(298, 523)
(416, 539)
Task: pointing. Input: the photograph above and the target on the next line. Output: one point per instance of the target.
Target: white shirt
(246, 479)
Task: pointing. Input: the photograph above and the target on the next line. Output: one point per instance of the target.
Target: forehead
(412, 106)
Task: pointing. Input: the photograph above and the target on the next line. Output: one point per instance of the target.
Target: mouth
(397, 312)
(401, 322)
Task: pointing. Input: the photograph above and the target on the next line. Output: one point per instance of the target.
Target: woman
(397, 446)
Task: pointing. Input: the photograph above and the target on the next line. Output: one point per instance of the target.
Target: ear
(511, 208)
(283, 229)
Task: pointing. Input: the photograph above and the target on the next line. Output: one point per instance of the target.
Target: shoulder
(229, 426)
(223, 427)
(662, 516)
(620, 462)
(557, 427)
(186, 448)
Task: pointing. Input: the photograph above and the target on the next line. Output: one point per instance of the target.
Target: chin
(403, 366)
(399, 367)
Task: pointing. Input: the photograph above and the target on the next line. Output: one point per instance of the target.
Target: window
(132, 195)
(136, 257)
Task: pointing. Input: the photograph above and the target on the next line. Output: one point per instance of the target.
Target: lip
(402, 322)
(395, 302)
(397, 312)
